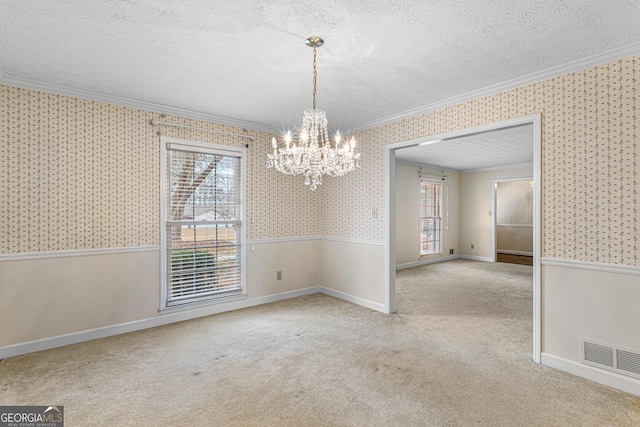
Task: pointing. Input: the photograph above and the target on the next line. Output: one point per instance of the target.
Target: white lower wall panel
(47, 297)
(298, 261)
(356, 269)
(596, 301)
(53, 301)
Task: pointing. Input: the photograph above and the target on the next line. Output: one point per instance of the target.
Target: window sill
(430, 256)
(202, 303)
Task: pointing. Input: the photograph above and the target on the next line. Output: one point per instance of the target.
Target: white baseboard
(476, 258)
(508, 252)
(179, 316)
(353, 299)
(137, 325)
(611, 379)
(426, 261)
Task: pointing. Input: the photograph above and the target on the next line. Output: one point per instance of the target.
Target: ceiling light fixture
(312, 154)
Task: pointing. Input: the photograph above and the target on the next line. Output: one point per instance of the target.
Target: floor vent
(613, 358)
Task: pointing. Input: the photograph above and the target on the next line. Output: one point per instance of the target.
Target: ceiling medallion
(312, 154)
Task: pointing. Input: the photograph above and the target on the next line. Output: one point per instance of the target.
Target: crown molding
(424, 166)
(538, 76)
(496, 168)
(549, 73)
(132, 103)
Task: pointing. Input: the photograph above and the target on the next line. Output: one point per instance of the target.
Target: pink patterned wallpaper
(77, 174)
(590, 165)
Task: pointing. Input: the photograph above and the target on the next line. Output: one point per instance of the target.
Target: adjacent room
(466, 189)
(349, 213)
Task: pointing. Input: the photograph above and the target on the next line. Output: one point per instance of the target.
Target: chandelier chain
(315, 75)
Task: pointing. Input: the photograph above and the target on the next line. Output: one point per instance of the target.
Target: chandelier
(312, 154)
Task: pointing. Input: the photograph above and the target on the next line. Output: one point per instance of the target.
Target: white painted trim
(611, 379)
(494, 221)
(305, 238)
(476, 258)
(282, 240)
(539, 76)
(537, 238)
(176, 316)
(27, 256)
(426, 261)
(197, 147)
(498, 168)
(390, 230)
(216, 299)
(520, 178)
(488, 127)
(508, 252)
(424, 166)
(137, 325)
(133, 103)
(581, 64)
(390, 249)
(592, 266)
(357, 241)
(353, 299)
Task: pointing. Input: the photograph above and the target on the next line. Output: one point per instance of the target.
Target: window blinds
(203, 219)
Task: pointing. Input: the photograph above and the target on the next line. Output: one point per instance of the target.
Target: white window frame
(216, 149)
(439, 182)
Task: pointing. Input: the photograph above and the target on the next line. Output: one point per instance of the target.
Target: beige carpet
(457, 354)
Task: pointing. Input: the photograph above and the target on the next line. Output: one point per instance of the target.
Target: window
(202, 221)
(430, 216)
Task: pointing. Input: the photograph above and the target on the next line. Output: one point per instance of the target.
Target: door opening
(442, 141)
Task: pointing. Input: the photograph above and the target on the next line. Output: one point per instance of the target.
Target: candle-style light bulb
(287, 138)
(338, 137)
(274, 143)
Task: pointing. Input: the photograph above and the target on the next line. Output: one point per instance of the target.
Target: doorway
(513, 220)
(444, 142)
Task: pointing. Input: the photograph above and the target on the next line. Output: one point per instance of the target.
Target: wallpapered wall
(78, 174)
(590, 166)
(514, 203)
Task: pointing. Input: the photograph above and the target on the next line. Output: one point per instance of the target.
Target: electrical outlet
(278, 275)
(473, 246)
(450, 251)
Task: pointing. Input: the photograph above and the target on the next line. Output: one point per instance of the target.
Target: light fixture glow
(435, 141)
(314, 156)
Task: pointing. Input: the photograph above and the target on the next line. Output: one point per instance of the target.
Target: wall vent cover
(610, 357)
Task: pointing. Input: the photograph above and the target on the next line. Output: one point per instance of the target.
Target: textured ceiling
(246, 60)
(497, 148)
